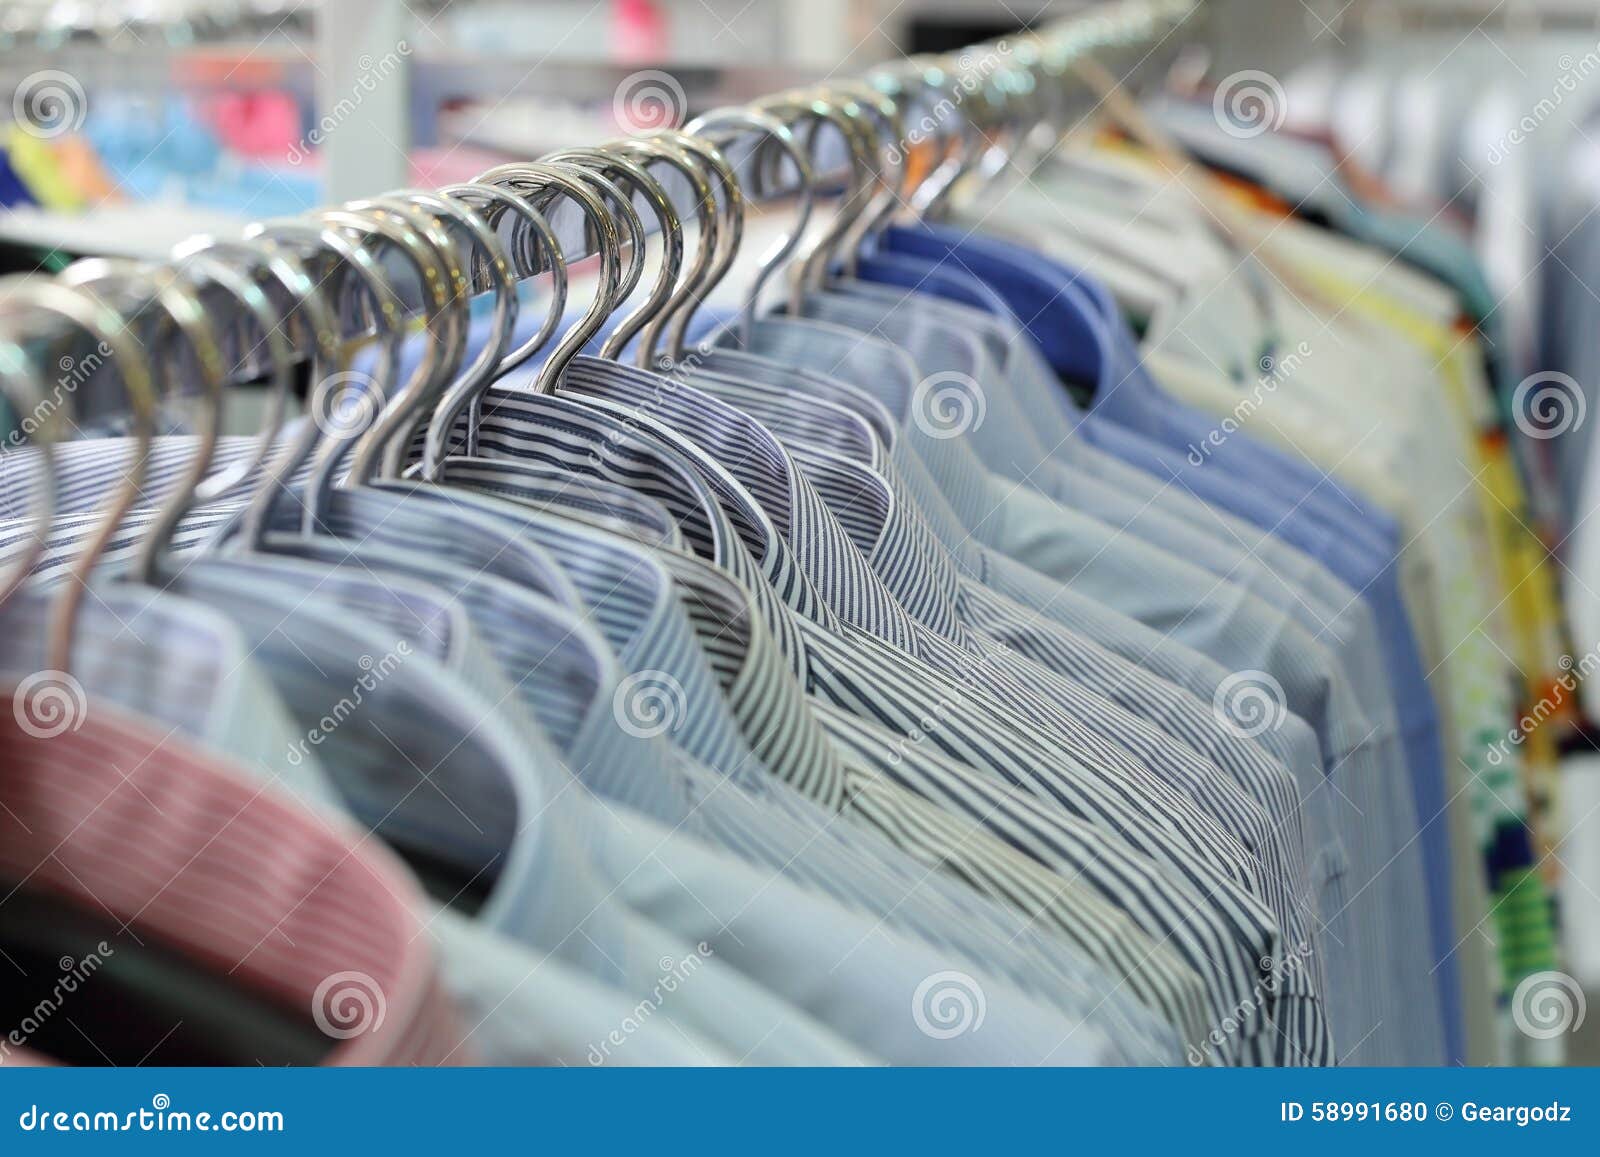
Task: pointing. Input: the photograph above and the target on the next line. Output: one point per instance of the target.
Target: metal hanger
(774, 133)
(893, 191)
(818, 107)
(930, 78)
(694, 160)
(306, 309)
(622, 215)
(611, 161)
(203, 268)
(160, 288)
(25, 296)
(496, 269)
(197, 487)
(539, 177)
(442, 350)
(425, 245)
(380, 303)
(722, 228)
(871, 115)
(541, 239)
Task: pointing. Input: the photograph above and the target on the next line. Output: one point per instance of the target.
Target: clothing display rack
(1043, 608)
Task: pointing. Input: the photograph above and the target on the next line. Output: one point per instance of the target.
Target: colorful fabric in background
(61, 173)
(13, 190)
(236, 152)
(263, 126)
(82, 169)
(35, 160)
(1508, 661)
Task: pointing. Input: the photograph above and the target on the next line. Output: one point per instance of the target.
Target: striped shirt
(776, 828)
(786, 628)
(910, 566)
(228, 872)
(544, 428)
(1135, 1037)
(1242, 632)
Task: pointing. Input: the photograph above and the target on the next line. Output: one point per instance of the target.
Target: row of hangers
(287, 294)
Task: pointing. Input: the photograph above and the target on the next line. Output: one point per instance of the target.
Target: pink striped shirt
(312, 913)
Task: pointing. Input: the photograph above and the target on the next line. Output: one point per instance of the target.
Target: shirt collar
(872, 506)
(282, 605)
(832, 394)
(968, 305)
(758, 690)
(1058, 308)
(87, 472)
(961, 390)
(738, 367)
(761, 691)
(402, 514)
(202, 875)
(897, 545)
(367, 695)
(964, 494)
(748, 450)
(212, 687)
(758, 673)
(628, 593)
(600, 504)
(636, 452)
